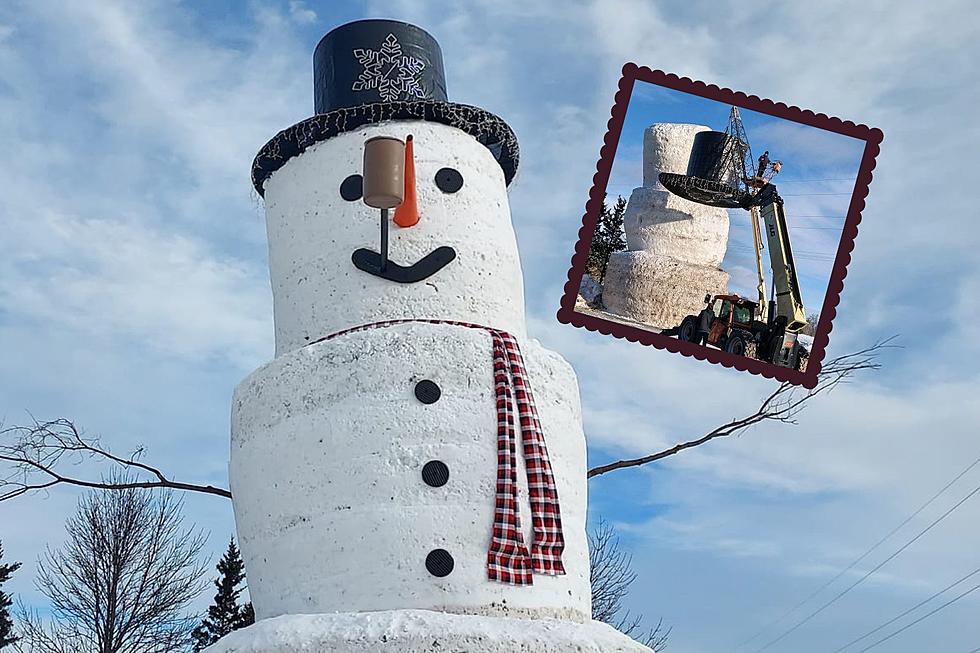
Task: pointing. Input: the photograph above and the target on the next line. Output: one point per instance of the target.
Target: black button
(352, 188)
(435, 473)
(449, 180)
(427, 392)
(439, 563)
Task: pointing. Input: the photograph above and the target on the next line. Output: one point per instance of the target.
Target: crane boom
(760, 286)
(788, 298)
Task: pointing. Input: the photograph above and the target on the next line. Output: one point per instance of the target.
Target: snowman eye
(352, 188)
(449, 180)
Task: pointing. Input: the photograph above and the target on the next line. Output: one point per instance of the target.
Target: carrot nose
(407, 213)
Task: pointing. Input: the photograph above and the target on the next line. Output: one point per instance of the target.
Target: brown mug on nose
(384, 172)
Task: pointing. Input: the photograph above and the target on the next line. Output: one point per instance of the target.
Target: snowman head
(317, 221)
(458, 262)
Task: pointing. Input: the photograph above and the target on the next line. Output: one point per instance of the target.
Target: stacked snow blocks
(674, 246)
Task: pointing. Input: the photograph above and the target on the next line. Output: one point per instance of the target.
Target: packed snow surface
(423, 631)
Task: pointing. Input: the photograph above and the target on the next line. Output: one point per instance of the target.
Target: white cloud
(110, 279)
(649, 37)
(809, 145)
(301, 13)
(202, 107)
(128, 206)
(159, 189)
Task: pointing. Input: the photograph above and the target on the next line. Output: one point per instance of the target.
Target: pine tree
(608, 238)
(6, 623)
(617, 237)
(225, 614)
(614, 237)
(599, 250)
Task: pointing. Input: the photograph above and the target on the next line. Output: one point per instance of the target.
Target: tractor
(729, 322)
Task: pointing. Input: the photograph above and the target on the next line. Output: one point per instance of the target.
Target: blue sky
(134, 291)
(817, 179)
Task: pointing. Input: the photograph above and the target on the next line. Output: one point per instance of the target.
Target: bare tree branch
(610, 576)
(122, 579)
(782, 405)
(610, 573)
(37, 637)
(657, 638)
(37, 454)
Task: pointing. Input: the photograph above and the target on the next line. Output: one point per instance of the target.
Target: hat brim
(482, 125)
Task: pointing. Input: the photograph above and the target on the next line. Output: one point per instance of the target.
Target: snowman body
(329, 440)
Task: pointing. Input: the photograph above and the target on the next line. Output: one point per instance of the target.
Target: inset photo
(720, 226)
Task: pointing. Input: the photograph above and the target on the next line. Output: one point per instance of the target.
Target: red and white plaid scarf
(508, 560)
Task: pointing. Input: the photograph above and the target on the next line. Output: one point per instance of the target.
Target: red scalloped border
(633, 73)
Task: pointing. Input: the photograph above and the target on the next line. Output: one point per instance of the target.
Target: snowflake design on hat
(389, 71)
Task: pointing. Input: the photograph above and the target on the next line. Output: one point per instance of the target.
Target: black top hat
(370, 71)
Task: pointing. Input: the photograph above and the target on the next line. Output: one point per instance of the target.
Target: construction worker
(763, 163)
(705, 318)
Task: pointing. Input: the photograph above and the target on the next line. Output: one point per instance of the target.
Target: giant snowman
(409, 473)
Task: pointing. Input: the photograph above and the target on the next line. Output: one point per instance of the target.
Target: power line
(791, 181)
(810, 181)
(781, 181)
(863, 555)
(800, 254)
(866, 553)
(912, 609)
(922, 618)
(794, 216)
(873, 570)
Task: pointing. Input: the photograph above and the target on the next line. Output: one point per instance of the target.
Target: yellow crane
(723, 172)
